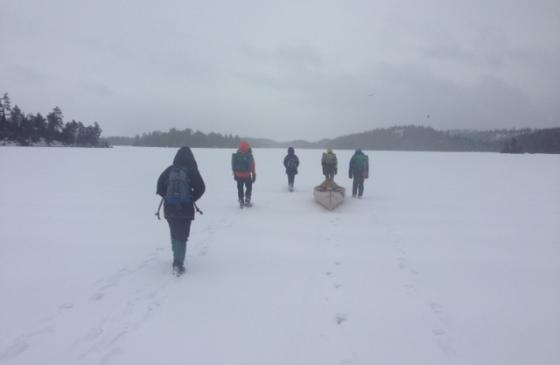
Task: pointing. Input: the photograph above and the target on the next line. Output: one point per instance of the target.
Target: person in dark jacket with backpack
(244, 173)
(291, 163)
(358, 170)
(180, 185)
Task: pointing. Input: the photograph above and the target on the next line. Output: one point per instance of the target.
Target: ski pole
(158, 209)
(198, 210)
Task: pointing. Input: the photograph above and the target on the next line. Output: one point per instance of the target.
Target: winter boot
(241, 203)
(248, 202)
(178, 270)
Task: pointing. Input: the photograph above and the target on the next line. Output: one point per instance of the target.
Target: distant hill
(490, 136)
(177, 138)
(411, 138)
(399, 138)
(540, 141)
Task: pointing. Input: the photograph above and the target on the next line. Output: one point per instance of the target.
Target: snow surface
(451, 258)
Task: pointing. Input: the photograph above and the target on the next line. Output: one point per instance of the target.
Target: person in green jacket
(358, 170)
(330, 164)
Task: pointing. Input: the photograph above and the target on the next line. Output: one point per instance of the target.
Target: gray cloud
(311, 69)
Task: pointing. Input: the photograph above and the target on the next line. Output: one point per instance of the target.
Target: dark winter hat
(290, 150)
(184, 157)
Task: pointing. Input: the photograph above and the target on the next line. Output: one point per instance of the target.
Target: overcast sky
(284, 69)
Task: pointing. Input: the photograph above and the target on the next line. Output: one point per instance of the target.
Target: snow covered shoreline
(451, 258)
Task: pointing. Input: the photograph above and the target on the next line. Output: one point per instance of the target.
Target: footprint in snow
(91, 335)
(409, 286)
(436, 308)
(110, 355)
(340, 318)
(22, 343)
(14, 350)
(444, 342)
(65, 306)
(96, 297)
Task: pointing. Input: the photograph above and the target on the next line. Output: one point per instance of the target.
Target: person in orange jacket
(244, 173)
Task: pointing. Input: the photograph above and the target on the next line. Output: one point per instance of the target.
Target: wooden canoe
(329, 194)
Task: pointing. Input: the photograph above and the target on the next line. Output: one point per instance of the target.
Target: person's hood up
(291, 151)
(184, 157)
(244, 147)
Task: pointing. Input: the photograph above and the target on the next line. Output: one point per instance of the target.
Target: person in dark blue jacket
(184, 177)
(291, 163)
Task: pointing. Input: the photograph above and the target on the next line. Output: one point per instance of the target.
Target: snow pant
(329, 172)
(291, 178)
(248, 184)
(180, 229)
(358, 186)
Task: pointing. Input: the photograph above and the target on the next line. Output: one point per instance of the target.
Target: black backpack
(292, 162)
(178, 186)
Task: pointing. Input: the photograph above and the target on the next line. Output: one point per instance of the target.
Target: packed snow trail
(434, 266)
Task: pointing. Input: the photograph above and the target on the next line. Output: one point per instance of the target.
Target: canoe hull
(329, 197)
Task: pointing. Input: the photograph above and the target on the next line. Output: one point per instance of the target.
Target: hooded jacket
(291, 162)
(359, 165)
(185, 159)
(243, 162)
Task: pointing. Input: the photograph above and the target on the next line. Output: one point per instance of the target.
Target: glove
(254, 178)
(349, 176)
(335, 171)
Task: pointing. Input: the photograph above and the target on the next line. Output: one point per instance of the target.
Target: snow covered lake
(451, 258)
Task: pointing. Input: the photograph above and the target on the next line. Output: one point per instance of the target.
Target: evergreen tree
(6, 111)
(15, 126)
(4, 114)
(70, 133)
(39, 127)
(26, 130)
(54, 125)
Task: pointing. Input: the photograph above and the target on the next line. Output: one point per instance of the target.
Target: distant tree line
(31, 129)
(411, 138)
(400, 138)
(540, 141)
(178, 138)
(418, 138)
